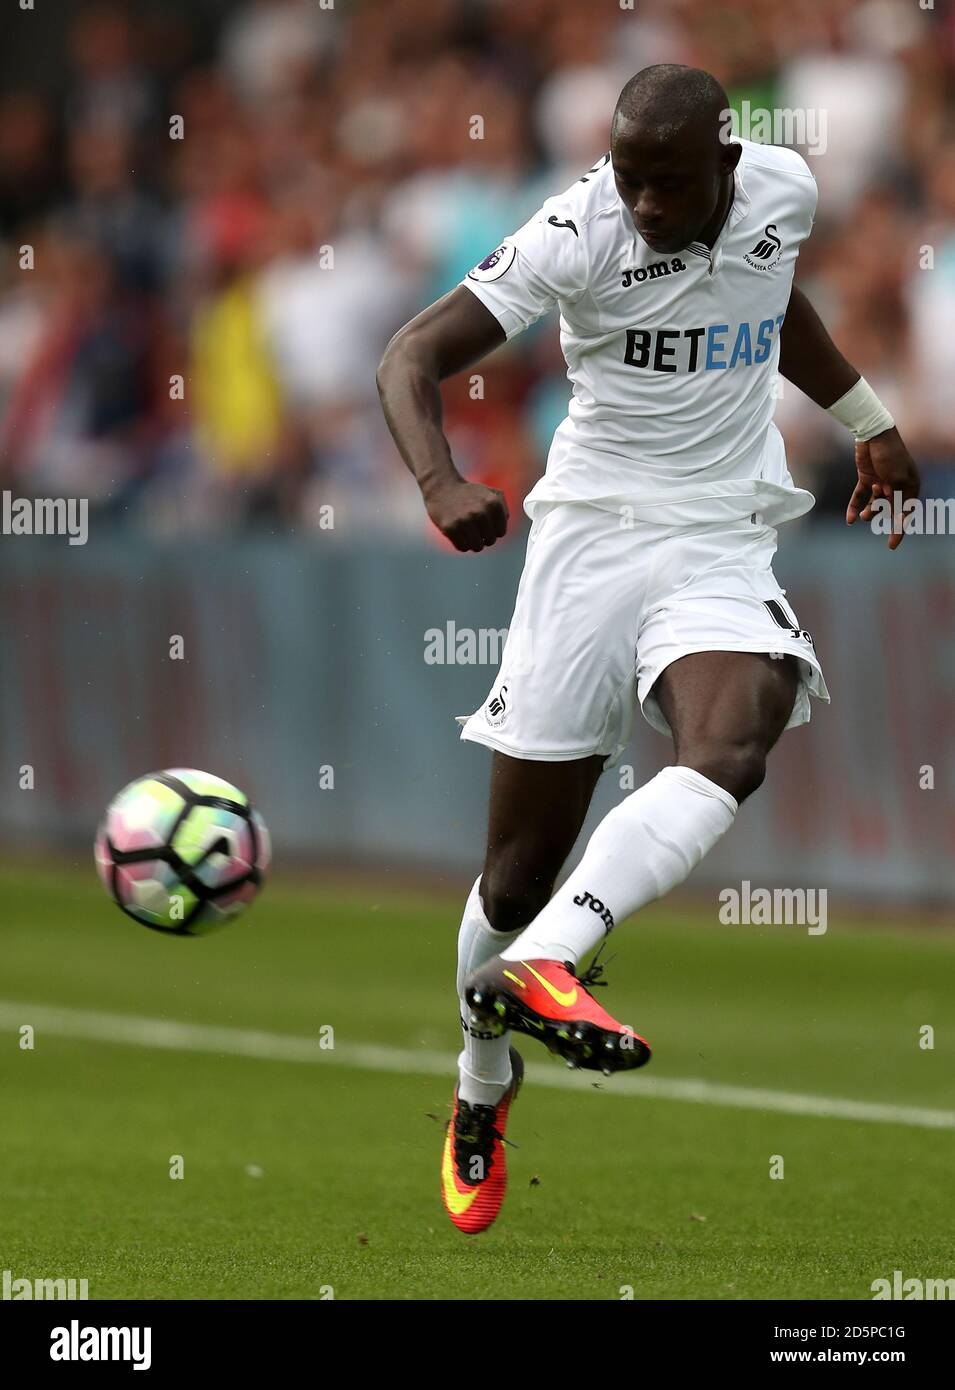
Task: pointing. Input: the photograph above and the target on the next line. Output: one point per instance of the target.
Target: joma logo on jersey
(595, 905)
(765, 254)
(639, 274)
(709, 349)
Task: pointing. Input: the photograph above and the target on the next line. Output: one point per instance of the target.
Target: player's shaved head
(672, 159)
(669, 98)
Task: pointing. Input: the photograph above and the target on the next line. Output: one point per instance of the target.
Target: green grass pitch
(304, 1176)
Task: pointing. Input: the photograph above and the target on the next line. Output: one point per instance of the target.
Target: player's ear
(730, 154)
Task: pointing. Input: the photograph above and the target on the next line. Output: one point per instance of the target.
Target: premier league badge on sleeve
(494, 265)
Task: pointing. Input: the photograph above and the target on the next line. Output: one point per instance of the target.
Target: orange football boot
(473, 1165)
(546, 1000)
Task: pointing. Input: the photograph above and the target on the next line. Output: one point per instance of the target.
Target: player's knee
(739, 768)
(513, 894)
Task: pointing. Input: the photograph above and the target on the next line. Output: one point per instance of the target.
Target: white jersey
(673, 358)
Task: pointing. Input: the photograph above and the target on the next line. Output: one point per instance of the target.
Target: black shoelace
(591, 978)
(475, 1134)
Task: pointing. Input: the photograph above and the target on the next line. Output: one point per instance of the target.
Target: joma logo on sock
(595, 905)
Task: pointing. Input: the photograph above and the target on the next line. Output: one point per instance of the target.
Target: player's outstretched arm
(885, 469)
(452, 334)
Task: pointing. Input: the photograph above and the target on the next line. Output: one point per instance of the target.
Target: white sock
(639, 851)
(484, 1067)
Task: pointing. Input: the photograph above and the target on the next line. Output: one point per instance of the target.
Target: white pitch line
(125, 1029)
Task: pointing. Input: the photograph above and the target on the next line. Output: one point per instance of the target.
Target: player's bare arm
(810, 360)
(450, 335)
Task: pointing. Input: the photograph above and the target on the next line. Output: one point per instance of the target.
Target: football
(182, 851)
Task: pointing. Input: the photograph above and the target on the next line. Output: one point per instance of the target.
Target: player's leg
(535, 813)
(726, 710)
(561, 707)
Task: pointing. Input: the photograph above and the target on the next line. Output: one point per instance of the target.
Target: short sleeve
(809, 193)
(813, 200)
(543, 264)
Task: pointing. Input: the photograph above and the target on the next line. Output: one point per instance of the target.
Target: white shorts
(602, 609)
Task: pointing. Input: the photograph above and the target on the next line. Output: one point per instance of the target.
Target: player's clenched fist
(471, 515)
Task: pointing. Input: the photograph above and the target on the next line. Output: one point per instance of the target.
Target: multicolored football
(182, 851)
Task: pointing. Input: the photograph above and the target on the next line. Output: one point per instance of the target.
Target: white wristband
(861, 411)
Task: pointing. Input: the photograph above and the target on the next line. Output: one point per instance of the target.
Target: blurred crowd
(214, 216)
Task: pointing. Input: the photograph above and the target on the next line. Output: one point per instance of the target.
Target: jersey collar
(738, 210)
